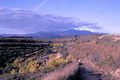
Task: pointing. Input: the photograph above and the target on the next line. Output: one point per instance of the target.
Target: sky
(104, 13)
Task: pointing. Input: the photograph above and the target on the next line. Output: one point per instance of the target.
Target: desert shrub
(61, 44)
(113, 45)
(69, 59)
(13, 71)
(33, 66)
(118, 41)
(57, 44)
(108, 38)
(27, 55)
(23, 70)
(20, 65)
(109, 61)
(75, 38)
(54, 62)
(30, 59)
(29, 65)
(17, 62)
(97, 42)
(54, 50)
(33, 79)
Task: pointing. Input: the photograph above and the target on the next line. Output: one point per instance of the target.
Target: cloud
(40, 5)
(23, 21)
(93, 28)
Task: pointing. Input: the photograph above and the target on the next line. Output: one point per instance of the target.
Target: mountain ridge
(55, 34)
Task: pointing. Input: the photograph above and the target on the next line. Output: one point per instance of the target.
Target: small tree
(75, 37)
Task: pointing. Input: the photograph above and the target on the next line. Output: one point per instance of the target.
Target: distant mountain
(71, 33)
(55, 34)
(44, 35)
(61, 34)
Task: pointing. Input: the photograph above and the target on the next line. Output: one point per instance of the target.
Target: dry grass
(63, 73)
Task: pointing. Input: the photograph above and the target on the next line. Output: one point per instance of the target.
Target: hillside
(93, 57)
(99, 54)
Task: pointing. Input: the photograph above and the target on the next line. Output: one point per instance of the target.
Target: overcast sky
(105, 13)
